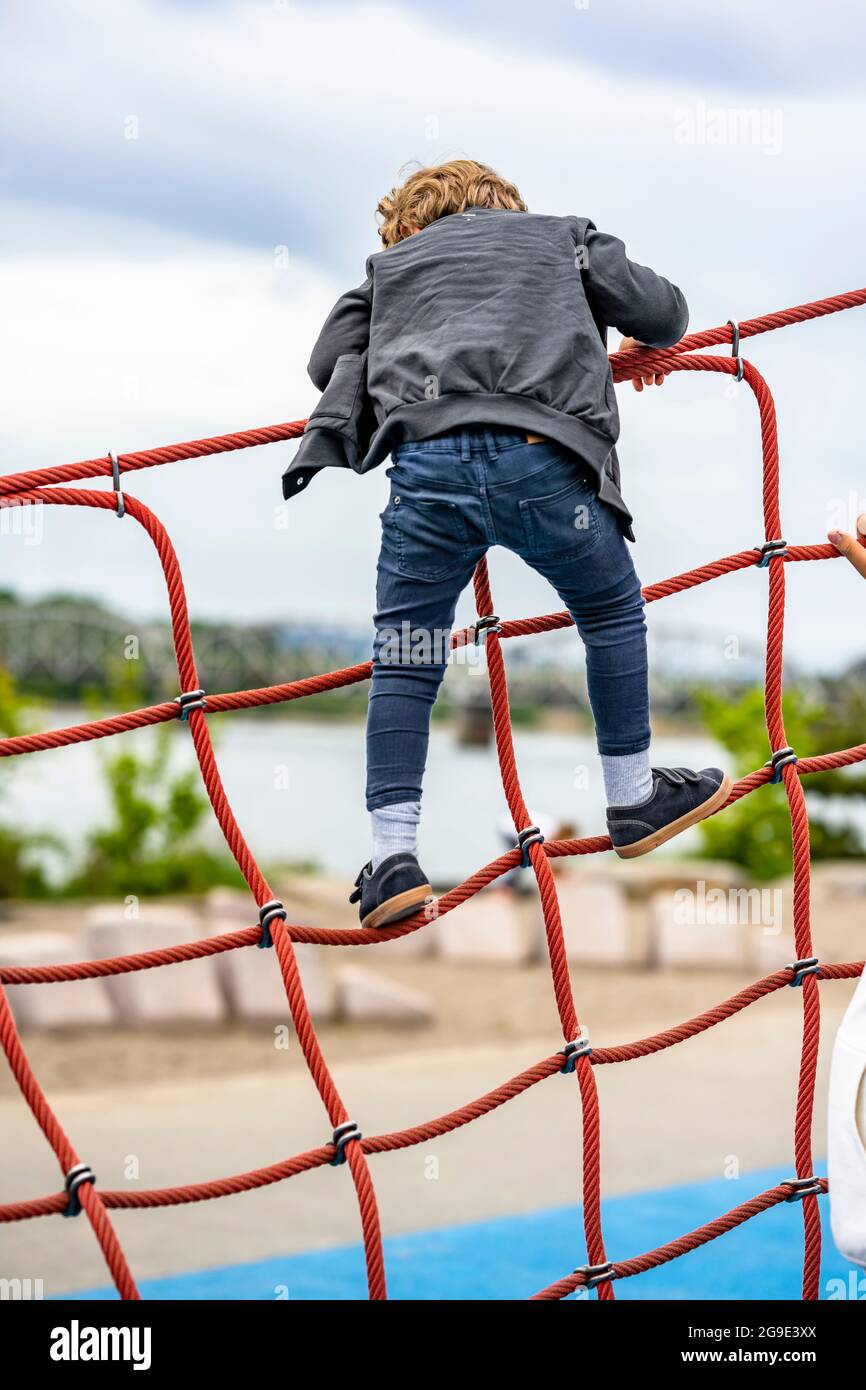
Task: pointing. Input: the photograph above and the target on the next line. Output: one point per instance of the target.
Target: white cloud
(142, 305)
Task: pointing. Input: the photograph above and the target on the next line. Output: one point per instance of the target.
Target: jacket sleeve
(346, 330)
(628, 296)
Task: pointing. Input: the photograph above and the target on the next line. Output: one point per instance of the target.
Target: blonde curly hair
(439, 190)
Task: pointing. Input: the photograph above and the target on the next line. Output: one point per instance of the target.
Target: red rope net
(44, 486)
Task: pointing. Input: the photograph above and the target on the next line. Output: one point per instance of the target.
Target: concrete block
(184, 993)
(595, 922)
(768, 952)
(77, 1004)
(686, 932)
(415, 945)
(251, 979)
(640, 878)
(840, 878)
(366, 997)
(232, 906)
(493, 927)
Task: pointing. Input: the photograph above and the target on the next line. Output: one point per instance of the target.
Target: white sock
(395, 828)
(628, 779)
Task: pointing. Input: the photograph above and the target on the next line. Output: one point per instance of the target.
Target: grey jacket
(484, 318)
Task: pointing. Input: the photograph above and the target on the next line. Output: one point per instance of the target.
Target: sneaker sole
(396, 908)
(667, 832)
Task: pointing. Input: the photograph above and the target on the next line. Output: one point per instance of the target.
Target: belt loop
(465, 446)
(490, 445)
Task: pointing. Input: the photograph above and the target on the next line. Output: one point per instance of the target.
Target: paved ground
(511, 1257)
(177, 1106)
(721, 1099)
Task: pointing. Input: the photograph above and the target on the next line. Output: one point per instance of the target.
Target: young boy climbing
(475, 354)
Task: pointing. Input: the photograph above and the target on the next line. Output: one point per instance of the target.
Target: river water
(297, 788)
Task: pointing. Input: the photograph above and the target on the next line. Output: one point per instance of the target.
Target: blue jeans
(452, 497)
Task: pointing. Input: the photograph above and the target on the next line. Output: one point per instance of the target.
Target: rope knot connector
(343, 1135)
(267, 914)
(801, 968)
(190, 700)
(484, 625)
(781, 758)
(771, 550)
(802, 1187)
(735, 350)
(580, 1047)
(530, 835)
(76, 1176)
(115, 482)
(595, 1274)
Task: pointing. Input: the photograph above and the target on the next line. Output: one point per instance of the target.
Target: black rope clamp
(343, 1135)
(802, 1187)
(482, 626)
(581, 1047)
(770, 550)
(81, 1173)
(735, 349)
(267, 913)
(595, 1274)
(115, 481)
(781, 758)
(190, 699)
(802, 968)
(530, 835)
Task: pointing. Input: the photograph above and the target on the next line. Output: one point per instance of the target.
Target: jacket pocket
(339, 398)
(431, 539)
(564, 524)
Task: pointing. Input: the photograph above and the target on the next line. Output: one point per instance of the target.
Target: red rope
(44, 486)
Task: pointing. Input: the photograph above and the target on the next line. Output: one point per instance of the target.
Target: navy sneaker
(397, 889)
(680, 798)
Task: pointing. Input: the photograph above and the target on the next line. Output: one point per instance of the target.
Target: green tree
(152, 843)
(756, 831)
(22, 871)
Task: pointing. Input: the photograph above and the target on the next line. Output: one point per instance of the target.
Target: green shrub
(756, 831)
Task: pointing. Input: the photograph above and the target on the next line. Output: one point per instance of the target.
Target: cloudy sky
(187, 187)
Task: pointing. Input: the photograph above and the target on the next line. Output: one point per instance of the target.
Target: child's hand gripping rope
(854, 549)
(651, 378)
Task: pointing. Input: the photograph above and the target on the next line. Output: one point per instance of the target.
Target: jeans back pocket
(432, 540)
(562, 525)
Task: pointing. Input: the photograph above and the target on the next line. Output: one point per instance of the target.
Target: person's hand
(850, 547)
(651, 378)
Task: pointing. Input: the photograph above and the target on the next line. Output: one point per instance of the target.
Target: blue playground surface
(514, 1256)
